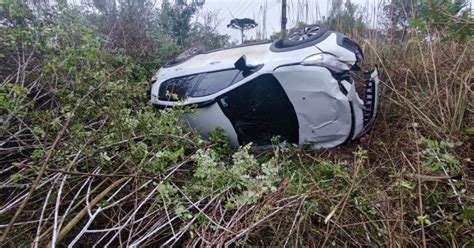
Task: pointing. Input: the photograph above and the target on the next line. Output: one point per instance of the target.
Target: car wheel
(188, 53)
(300, 38)
(305, 33)
(185, 55)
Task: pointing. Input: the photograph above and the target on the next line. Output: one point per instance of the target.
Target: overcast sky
(308, 11)
(297, 10)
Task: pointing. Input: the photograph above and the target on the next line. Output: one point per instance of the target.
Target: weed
(437, 156)
(105, 168)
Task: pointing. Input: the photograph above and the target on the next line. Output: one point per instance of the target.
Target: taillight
(148, 89)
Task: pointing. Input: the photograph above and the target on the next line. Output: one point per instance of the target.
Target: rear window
(214, 82)
(197, 85)
(177, 88)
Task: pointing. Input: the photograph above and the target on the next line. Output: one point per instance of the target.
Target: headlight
(326, 60)
(313, 58)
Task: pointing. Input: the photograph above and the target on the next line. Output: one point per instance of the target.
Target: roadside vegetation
(85, 160)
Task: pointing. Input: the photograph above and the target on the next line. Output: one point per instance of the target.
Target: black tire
(185, 55)
(304, 33)
(301, 36)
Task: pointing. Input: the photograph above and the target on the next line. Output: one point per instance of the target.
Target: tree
(126, 24)
(449, 19)
(175, 19)
(242, 25)
(345, 17)
(396, 15)
(204, 34)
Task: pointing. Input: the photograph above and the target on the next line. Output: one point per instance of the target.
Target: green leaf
(16, 177)
(104, 156)
(38, 131)
(229, 205)
(404, 185)
(423, 219)
(470, 131)
(467, 214)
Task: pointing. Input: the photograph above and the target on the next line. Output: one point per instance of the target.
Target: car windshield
(198, 85)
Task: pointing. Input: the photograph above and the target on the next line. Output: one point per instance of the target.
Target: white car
(299, 89)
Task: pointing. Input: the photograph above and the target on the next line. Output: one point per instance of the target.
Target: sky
(315, 10)
(297, 11)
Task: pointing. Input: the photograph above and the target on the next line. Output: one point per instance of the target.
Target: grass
(85, 160)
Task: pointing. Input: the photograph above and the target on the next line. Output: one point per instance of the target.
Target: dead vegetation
(86, 162)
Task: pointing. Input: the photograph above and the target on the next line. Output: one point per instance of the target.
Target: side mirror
(247, 70)
(241, 63)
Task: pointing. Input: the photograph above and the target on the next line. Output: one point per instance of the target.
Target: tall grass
(86, 161)
(427, 80)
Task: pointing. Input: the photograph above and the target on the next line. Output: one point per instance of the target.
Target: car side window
(260, 110)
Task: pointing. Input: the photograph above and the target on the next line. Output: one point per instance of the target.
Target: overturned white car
(299, 89)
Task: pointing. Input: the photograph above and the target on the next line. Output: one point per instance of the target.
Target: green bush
(105, 167)
(452, 18)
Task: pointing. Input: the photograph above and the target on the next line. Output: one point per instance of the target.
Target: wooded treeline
(85, 160)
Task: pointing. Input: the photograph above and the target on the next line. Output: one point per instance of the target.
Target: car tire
(185, 55)
(301, 36)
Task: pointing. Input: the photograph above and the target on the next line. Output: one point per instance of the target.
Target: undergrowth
(85, 160)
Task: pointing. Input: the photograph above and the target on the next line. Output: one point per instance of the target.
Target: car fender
(323, 111)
